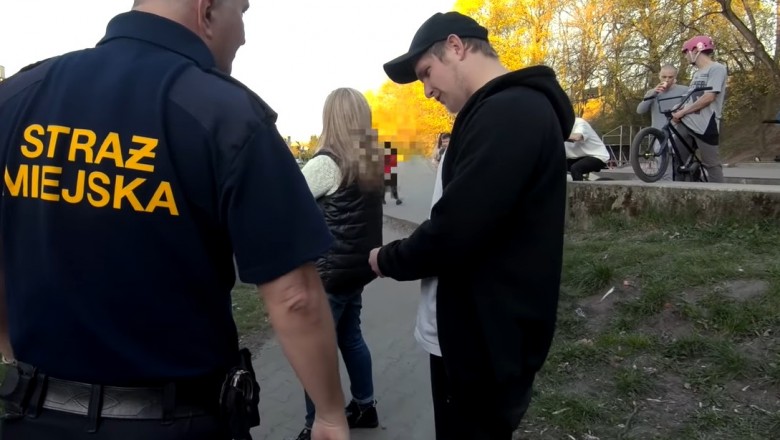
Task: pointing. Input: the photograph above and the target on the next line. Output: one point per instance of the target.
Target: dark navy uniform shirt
(133, 172)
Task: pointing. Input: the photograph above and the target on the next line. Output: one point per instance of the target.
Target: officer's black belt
(124, 402)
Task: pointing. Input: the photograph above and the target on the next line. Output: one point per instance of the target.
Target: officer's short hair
(471, 44)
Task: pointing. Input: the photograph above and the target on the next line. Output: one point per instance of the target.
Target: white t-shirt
(426, 331)
(590, 145)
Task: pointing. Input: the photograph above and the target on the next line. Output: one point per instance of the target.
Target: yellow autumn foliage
(606, 54)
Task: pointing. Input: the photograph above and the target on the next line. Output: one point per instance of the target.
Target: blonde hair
(347, 134)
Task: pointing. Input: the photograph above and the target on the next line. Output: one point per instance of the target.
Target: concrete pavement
(415, 187)
(401, 378)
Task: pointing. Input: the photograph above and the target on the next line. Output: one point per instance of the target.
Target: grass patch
(740, 318)
(687, 348)
(569, 413)
(627, 344)
(717, 423)
(668, 353)
(588, 276)
(649, 304)
(632, 382)
(248, 309)
(771, 369)
(720, 364)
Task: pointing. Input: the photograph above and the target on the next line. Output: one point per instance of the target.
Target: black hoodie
(495, 238)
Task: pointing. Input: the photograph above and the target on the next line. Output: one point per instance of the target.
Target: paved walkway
(400, 368)
(415, 188)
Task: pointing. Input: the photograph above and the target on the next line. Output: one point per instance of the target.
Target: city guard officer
(133, 172)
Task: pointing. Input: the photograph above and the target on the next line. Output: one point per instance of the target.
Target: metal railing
(619, 138)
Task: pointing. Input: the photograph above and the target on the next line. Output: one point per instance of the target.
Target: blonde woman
(345, 176)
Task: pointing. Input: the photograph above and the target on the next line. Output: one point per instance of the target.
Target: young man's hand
(677, 116)
(373, 260)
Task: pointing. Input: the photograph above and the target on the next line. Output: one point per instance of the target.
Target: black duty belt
(118, 402)
(233, 397)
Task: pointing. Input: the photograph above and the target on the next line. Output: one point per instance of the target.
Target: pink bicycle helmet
(700, 42)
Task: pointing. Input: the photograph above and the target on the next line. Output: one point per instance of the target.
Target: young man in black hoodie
(490, 254)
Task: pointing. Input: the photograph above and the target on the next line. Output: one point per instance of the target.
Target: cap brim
(401, 69)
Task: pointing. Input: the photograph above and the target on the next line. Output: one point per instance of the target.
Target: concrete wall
(694, 202)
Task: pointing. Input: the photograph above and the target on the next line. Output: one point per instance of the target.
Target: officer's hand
(326, 430)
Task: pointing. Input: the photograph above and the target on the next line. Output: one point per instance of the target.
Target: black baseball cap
(435, 29)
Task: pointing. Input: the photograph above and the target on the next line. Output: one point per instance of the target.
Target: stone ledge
(695, 202)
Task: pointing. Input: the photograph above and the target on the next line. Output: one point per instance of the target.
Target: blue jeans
(346, 315)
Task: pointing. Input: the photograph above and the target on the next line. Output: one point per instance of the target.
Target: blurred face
(441, 80)
(223, 26)
(669, 76)
(445, 142)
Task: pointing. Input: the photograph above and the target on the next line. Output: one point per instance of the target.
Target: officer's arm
(277, 230)
(301, 317)
(5, 341)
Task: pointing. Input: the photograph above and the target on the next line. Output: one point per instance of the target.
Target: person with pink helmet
(699, 119)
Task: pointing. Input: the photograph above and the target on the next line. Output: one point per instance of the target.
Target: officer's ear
(205, 8)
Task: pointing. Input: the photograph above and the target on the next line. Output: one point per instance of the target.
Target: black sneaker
(304, 435)
(362, 416)
(398, 201)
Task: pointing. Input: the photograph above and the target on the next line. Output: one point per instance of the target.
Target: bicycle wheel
(649, 154)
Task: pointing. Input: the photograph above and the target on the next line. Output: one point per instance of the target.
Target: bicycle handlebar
(697, 89)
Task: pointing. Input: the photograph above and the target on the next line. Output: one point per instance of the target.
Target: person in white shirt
(441, 146)
(585, 151)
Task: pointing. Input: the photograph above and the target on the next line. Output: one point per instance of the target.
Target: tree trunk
(777, 29)
(761, 54)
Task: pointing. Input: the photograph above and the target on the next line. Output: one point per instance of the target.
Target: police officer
(133, 173)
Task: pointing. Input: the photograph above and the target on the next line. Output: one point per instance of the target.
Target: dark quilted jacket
(355, 220)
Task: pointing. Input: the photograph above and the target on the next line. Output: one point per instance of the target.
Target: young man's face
(445, 142)
(227, 21)
(441, 80)
(692, 56)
